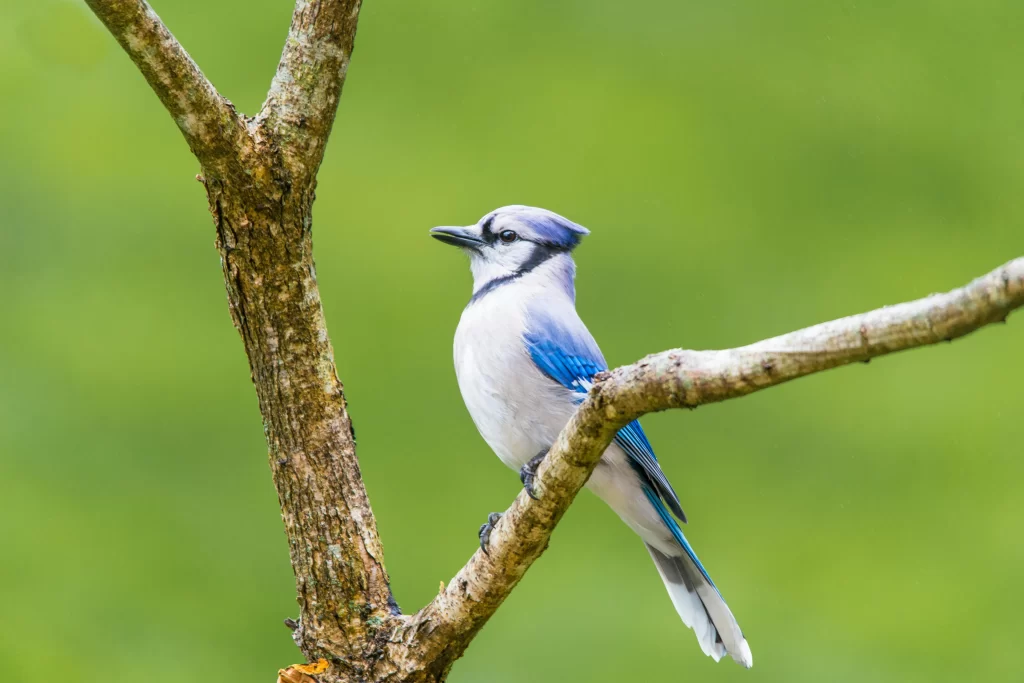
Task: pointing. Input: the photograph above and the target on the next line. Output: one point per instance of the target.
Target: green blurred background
(746, 168)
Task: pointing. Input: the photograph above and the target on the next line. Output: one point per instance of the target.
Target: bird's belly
(517, 409)
(519, 420)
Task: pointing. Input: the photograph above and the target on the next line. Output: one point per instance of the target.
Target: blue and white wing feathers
(571, 357)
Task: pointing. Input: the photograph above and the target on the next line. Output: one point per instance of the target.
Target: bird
(524, 362)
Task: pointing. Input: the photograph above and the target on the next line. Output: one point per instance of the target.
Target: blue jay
(525, 361)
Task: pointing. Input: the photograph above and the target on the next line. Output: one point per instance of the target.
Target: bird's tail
(701, 606)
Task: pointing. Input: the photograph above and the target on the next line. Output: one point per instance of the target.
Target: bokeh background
(746, 168)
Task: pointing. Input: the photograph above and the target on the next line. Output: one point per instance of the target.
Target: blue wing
(632, 439)
(572, 359)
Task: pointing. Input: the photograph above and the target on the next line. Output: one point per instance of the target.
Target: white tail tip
(744, 656)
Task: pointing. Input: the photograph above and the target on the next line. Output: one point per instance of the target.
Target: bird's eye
(508, 236)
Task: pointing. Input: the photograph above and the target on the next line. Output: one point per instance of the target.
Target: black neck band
(540, 255)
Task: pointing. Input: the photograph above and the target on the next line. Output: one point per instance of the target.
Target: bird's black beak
(459, 237)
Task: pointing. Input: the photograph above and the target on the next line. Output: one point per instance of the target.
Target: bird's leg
(529, 472)
(485, 531)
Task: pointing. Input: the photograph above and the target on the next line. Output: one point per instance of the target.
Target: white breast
(517, 409)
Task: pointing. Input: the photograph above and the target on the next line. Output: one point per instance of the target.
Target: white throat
(554, 275)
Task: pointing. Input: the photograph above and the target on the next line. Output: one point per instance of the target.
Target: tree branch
(685, 379)
(214, 131)
(260, 178)
(304, 94)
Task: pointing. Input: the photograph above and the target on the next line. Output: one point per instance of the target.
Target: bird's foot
(485, 531)
(529, 472)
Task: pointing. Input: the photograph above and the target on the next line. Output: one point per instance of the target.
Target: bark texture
(260, 178)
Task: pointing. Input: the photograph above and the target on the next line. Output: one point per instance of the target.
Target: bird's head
(512, 241)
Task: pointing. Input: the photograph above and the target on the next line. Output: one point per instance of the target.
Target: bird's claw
(485, 531)
(529, 472)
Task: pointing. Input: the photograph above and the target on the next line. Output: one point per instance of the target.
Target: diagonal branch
(686, 379)
(214, 131)
(304, 94)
